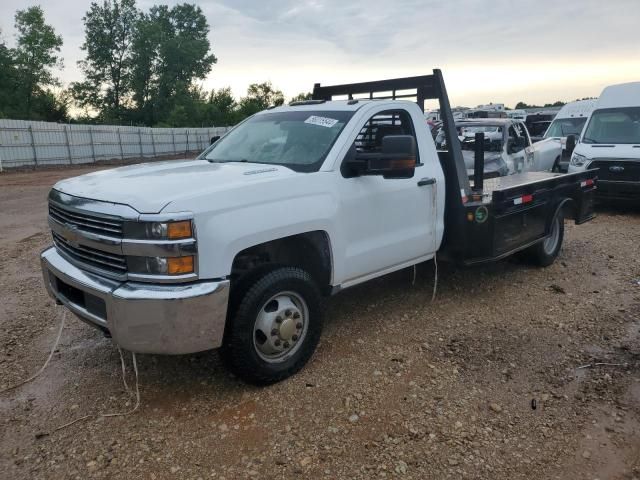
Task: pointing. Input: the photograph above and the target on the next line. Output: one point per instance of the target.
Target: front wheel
(545, 252)
(276, 327)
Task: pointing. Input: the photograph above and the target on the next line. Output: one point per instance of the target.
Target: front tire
(546, 252)
(275, 328)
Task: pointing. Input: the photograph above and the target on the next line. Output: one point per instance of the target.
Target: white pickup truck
(507, 145)
(237, 248)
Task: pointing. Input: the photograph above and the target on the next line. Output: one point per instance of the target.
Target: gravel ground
(399, 387)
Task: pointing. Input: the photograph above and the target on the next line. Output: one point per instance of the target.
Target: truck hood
(619, 151)
(149, 187)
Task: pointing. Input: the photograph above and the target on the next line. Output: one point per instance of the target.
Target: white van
(610, 141)
(570, 120)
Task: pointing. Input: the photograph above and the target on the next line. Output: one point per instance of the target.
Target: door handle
(426, 181)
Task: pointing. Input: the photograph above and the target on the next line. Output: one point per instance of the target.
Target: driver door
(516, 150)
(387, 222)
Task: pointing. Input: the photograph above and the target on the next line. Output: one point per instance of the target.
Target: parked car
(508, 147)
(237, 248)
(570, 121)
(610, 142)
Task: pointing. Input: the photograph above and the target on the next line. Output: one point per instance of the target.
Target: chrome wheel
(280, 327)
(551, 242)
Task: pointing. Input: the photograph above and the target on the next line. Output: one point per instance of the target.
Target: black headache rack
(482, 223)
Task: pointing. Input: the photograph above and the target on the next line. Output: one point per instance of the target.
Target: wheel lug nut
(274, 331)
(287, 313)
(299, 325)
(278, 319)
(296, 315)
(294, 337)
(277, 343)
(286, 345)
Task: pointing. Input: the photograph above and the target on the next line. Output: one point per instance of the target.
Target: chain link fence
(35, 144)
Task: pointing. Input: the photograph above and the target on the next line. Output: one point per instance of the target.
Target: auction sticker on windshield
(321, 121)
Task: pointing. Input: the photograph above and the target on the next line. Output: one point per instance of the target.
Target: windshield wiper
(239, 160)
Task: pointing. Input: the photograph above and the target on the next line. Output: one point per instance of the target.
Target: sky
(500, 51)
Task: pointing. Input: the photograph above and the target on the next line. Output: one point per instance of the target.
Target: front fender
(222, 235)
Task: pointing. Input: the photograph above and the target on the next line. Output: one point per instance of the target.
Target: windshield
(563, 127)
(471, 130)
(298, 140)
(613, 125)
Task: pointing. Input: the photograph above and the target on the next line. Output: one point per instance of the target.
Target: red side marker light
(523, 199)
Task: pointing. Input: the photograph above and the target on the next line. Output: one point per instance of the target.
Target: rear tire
(275, 328)
(545, 252)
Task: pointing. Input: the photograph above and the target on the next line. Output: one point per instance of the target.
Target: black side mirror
(397, 159)
(570, 145)
(215, 139)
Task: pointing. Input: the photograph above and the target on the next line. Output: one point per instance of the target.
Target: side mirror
(570, 144)
(215, 139)
(397, 159)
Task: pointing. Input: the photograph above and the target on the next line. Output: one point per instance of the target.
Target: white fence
(26, 143)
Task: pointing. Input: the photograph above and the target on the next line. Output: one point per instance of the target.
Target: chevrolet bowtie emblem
(616, 169)
(72, 235)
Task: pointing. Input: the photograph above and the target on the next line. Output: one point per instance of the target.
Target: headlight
(159, 230)
(578, 160)
(161, 265)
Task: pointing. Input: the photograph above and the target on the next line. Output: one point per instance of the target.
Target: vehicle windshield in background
(613, 125)
(492, 137)
(467, 136)
(563, 127)
(537, 129)
(298, 140)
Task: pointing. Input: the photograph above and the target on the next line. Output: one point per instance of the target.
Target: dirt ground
(399, 387)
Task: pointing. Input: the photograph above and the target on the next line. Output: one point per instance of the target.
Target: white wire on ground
(115, 414)
(435, 278)
(124, 380)
(135, 407)
(53, 349)
(124, 370)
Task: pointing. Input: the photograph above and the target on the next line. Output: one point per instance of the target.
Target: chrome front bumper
(141, 317)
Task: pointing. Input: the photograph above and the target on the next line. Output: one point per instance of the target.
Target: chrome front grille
(107, 262)
(99, 225)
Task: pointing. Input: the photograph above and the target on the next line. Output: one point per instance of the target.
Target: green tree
(171, 51)
(301, 97)
(36, 53)
(222, 107)
(109, 32)
(8, 83)
(260, 96)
